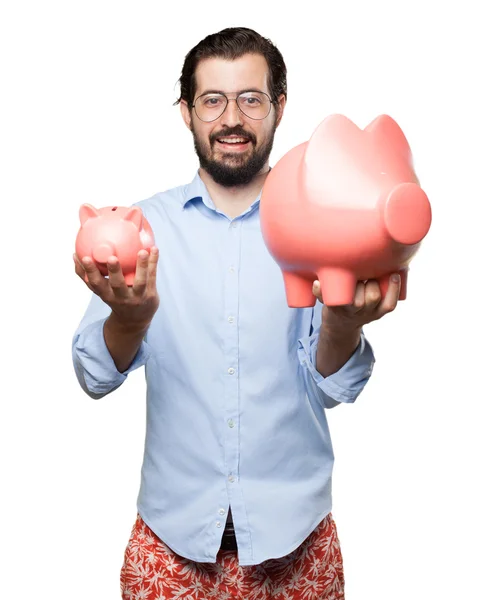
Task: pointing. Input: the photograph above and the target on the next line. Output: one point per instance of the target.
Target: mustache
(239, 131)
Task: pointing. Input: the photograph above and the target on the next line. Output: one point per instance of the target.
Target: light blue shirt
(235, 405)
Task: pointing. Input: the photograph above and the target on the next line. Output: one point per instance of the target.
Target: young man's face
(232, 163)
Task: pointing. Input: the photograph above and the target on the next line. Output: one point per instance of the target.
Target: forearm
(335, 348)
(123, 341)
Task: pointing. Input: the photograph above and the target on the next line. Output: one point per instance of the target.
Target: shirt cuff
(347, 383)
(94, 366)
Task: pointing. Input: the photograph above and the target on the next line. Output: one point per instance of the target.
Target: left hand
(368, 306)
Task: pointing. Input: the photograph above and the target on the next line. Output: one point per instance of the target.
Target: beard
(244, 168)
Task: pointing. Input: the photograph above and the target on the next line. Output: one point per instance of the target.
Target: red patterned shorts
(152, 571)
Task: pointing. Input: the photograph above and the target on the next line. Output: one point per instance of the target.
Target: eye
(252, 99)
(212, 101)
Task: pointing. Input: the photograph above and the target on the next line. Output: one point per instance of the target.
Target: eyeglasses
(255, 105)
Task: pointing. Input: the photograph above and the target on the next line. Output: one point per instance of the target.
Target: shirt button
(222, 511)
(234, 224)
(231, 371)
(231, 423)
(218, 524)
(231, 319)
(231, 479)
(232, 269)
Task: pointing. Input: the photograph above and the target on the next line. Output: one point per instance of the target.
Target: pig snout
(407, 214)
(103, 251)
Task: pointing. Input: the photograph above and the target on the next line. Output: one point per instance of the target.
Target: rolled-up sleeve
(343, 386)
(94, 367)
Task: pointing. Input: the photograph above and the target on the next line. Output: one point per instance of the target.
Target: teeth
(233, 140)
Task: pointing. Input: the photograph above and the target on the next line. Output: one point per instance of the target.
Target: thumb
(317, 291)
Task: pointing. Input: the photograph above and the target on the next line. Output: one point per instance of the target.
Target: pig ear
(324, 151)
(387, 132)
(87, 211)
(134, 215)
(332, 129)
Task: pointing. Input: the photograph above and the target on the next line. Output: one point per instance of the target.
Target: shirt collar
(197, 190)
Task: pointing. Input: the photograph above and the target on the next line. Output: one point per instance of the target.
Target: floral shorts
(152, 571)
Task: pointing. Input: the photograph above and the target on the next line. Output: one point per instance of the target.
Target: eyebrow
(250, 89)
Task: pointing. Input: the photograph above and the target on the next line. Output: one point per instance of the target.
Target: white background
(87, 115)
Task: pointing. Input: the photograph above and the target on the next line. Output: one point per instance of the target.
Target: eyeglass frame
(271, 101)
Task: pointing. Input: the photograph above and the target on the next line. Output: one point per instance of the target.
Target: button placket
(231, 354)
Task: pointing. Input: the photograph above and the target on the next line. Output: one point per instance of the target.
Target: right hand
(132, 306)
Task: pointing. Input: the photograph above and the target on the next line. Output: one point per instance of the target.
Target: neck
(234, 200)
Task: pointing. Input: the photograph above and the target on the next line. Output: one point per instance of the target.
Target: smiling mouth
(233, 141)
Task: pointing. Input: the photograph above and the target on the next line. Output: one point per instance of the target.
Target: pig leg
(403, 293)
(299, 290)
(384, 283)
(338, 285)
(129, 278)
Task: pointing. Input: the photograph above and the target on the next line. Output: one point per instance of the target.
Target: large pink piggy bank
(344, 207)
(113, 230)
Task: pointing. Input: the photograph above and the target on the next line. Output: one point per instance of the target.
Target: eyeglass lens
(255, 105)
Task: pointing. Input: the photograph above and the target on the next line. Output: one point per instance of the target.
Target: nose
(103, 251)
(232, 115)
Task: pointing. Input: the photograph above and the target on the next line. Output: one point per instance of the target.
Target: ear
(280, 108)
(134, 215)
(185, 113)
(387, 133)
(87, 211)
(327, 154)
(330, 134)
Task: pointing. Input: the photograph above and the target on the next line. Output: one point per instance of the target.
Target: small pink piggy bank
(113, 230)
(344, 207)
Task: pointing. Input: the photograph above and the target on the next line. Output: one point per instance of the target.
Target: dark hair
(232, 43)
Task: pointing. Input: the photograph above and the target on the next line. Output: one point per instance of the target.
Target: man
(235, 497)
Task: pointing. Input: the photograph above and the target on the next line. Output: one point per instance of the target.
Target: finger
(80, 271)
(152, 266)
(359, 296)
(97, 282)
(78, 266)
(116, 277)
(317, 291)
(391, 297)
(141, 274)
(372, 294)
